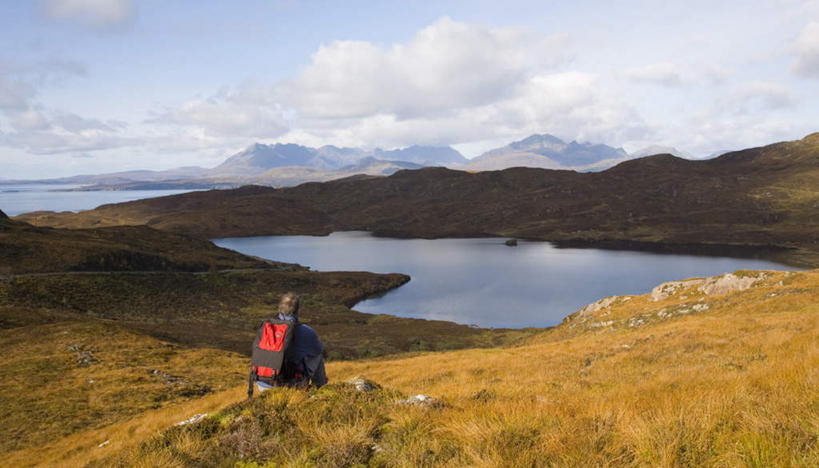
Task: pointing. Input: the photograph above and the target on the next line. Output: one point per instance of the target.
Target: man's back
(305, 358)
(306, 343)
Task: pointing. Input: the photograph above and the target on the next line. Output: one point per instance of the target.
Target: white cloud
(40, 130)
(767, 95)
(55, 140)
(451, 83)
(100, 14)
(570, 105)
(665, 74)
(29, 119)
(444, 67)
(806, 50)
(756, 98)
(247, 112)
(15, 93)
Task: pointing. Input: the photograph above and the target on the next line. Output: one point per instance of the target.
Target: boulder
(422, 400)
(362, 385)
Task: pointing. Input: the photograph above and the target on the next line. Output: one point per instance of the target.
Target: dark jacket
(304, 361)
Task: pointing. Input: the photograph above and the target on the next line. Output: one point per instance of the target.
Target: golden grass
(62, 378)
(83, 447)
(731, 385)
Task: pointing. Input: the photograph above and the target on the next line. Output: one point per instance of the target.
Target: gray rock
(362, 385)
(421, 400)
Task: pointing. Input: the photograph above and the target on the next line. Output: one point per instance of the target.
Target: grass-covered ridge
(734, 382)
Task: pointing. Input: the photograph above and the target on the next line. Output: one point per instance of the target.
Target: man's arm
(315, 369)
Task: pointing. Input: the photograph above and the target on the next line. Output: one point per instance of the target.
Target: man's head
(289, 305)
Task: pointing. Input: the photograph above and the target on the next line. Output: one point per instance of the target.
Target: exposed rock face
(597, 306)
(721, 285)
(713, 286)
(680, 298)
(666, 290)
(3, 215)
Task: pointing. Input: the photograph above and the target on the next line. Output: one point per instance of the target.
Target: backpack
(273, 337)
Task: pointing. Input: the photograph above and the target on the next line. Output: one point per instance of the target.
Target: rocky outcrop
(362, 384)
(666, 290)
(422, 400)
(721, 285)
(712, 286)
(681, 298)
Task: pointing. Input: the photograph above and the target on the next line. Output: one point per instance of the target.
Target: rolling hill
(29, 249)
(758, 197)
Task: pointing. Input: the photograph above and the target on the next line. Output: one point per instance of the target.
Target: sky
(91, 86)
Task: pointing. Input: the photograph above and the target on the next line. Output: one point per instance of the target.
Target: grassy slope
(81, 346)
(222, 309)
(60, 378)
(734, 383)
(760, 196)
(77, 359)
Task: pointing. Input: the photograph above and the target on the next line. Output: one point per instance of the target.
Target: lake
(23, 198)
(484, 282)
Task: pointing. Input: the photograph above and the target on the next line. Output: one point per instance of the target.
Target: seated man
(304, 358)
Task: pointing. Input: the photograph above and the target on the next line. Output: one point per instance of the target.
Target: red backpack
(272, 340)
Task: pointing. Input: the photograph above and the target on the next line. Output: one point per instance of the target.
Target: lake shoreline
(788, 255)
(485, 283)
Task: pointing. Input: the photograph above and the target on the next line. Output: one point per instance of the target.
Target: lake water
(484, 282)
(23, 198)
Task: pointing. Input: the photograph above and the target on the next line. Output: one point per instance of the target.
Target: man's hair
(289, 304)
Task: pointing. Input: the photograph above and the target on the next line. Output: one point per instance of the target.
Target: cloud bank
(448, 83)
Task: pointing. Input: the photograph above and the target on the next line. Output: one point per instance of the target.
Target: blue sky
(104, 85)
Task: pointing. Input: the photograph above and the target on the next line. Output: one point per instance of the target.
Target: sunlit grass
(736, 384)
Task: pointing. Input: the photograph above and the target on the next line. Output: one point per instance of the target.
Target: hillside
(759, 197)
(705, 372)
(190, 291)
(29, 249)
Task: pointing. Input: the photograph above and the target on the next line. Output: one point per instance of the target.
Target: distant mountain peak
(548, 151)
(260, 157)
(426, 155)
(659, 149)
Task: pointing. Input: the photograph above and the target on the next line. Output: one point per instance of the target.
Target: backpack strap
(251, 381)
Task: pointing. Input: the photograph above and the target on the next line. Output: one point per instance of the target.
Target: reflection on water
(484, 282)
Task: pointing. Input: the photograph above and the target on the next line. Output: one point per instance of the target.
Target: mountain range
(759, 197)
(549, 152)
(288, 164)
